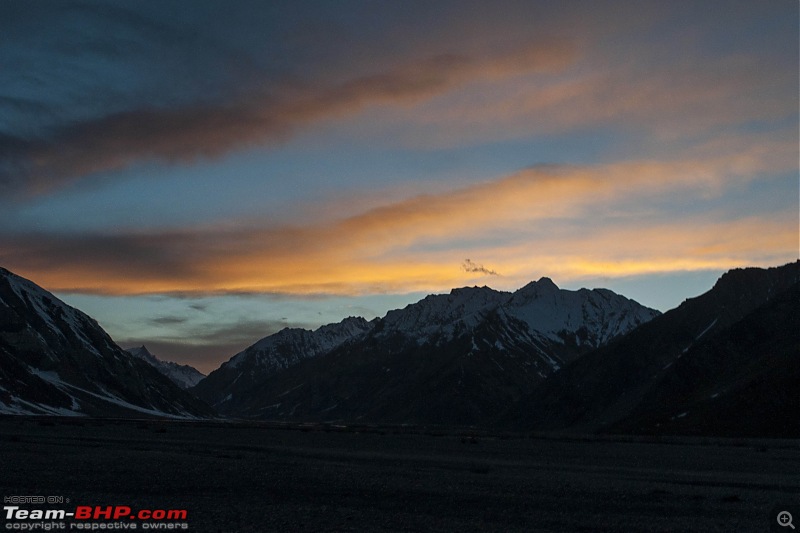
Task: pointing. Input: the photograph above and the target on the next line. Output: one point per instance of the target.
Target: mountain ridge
(606, 385)
(184, 376)
(494, 327)
(536, 359)
(56, 359)
(722, 384)
(273, 353)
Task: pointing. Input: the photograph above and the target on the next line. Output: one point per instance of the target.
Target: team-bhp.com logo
(85, 512)
(94, 518)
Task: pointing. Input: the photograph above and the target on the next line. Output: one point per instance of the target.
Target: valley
(247, 476)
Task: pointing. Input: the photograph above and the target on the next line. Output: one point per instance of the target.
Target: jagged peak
(328, 335)
(543, 285)
(135, 350)
(471, 290)
(346, 323)
(471, 294)
(546, 282)
(142, 352)
(357, 321)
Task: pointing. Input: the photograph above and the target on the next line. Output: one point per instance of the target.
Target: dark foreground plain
(235, 477)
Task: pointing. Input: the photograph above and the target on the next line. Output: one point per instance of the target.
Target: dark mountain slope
(57, 360)
(743, 381)
(274, 353)
(394, 380)
(606, 385)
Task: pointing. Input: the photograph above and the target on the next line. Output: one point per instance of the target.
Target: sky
(198, 175)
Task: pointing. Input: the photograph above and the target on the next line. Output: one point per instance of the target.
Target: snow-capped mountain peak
(433, 312)
(292, 344)
(273, 353)
(185, 376)
(540, 326)
(591, 317)
(143, 353)
(583, 317)
(536, 289)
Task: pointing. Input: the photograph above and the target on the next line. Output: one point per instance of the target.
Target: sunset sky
(198, 175)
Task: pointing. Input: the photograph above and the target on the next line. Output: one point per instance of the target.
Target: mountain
(583, 318)
(740, 382)
(729, 353)
(272, 354)
(184, 376)
(55, 359)
(456, 358)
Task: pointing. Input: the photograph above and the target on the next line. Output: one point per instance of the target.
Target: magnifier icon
(785, 519)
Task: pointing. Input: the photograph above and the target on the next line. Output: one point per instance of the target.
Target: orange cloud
(569, 222)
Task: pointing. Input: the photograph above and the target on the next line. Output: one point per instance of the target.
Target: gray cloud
(206, 346)
(101, 86)
(168, 320)
(469, 266)
(117, 140)
(139, 256)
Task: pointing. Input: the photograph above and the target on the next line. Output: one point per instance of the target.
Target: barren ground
(251, 477)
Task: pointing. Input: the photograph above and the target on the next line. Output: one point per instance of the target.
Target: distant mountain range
(184, 376)
(538, 359)
(56, 360)
(448, 359)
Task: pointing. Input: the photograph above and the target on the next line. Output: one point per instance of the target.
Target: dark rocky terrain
(726, 361)
(261, 478)
(226, 386)
(741, 381)
(54, 359)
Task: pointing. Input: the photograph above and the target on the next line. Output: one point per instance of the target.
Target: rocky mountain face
(541, 358)
(55, 359)
(741, 382)
(585, 319)
(273, 354)
(457, 358)
(725, 362)
(184, 376)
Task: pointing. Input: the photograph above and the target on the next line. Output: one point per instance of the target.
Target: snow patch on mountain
(19, 406)
(54, 379)
(15, 405)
